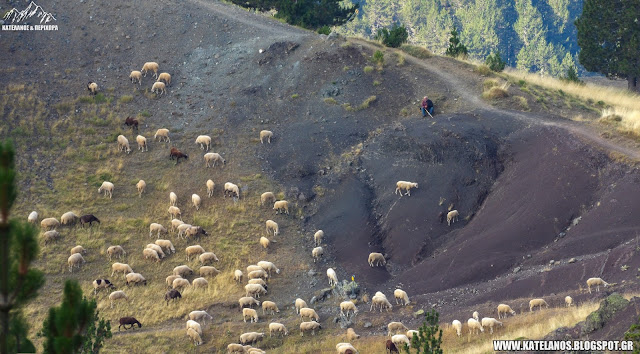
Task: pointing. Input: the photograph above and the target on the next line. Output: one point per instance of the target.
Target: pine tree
(495, 62)
(429, 337)
(18, 248)
(394, 37)
(456, 48)
(74, 326)
(608, 36)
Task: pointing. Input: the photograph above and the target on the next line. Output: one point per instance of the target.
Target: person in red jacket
(427, 107)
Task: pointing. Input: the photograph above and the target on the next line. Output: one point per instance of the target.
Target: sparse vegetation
(295, 95)
(368, 69)
(378, 57)
(482, 70)
(330, 100)
(126, 99)
(416, 51)
(376, 83)
(495, 92)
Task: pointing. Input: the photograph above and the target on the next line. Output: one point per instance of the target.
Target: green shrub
(572, 76)
(495, 62)
(482, 70)
(393, 38)
(368, 69)
(324, 30)
(378, 57)
(456, 48)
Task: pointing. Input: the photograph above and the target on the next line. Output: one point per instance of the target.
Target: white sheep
(208, 271)
(200, 316)
(352, 335)
(33, 217)
(173, 199)
(317, 237)
(69, 218)
(195, 326)
(195, 337)
(123, 144)
(101, 284)
(333, 277)
(136, 279)
(142, 143)
(309, 326)
(343, 348)
(251, 313)
(380, 301)
(200, 283)
(476, 315)
(210, 186)
(150, 66)
(237, 275)
(78, 249)
(258, 281)
(248, 301)
(162, 134)
(406, 186)
(232, 190)
(208, 257)
(175, 223)
(412, 332)
(347, 306)
(452, 217)
(400, 340)
(117, 295)
(141, 185)
(193, 250)
(264, 242)
(491, 323)
(75, 260)
(251, 337)
(260, 273)
(116, 251)
(537, 302)
(182, 229)
(204, 141)
(379, 293)
(278, 328)
(169, 280)
(156, 248)
(180, 283)
(299, 303)
(107, 187)
(596, 282)
(377, 259)
(268, 267)
(266, 134)
(474, 326)
(272, 226)
(166, 77)
(310, 313)
(253, 267)
(136, 76)
(196, 201)
(503, 309)
(457, 325)
(182, 270)
(155, 227)
(92, 87)
(267, 198)
(255, 290)
(166, 245)
(50, 236)
(402, 295)
(394, 327)
(568, 300)
(211, 158)
(281, 206)
(49, 223)
(150, 253)
(316, 253)
(121, 267)
(174, 212)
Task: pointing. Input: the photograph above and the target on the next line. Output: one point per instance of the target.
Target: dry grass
(482, 70)
(495, 92)
(416, 51)
(627, 120)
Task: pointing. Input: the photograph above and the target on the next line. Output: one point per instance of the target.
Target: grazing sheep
(476, 315)
(142, 143)
(537, 302)
(150, 66)
(452, 217)
(156, 248)
(596, 282)
(33, 217)
(402, 295)
(281, 206)
(136, 76)
(175, 223)
(88, 219)
(270, 306)
(316, 253)
(49, 223)
(268, 267)
(116, 251)
(346, 348)
(279, 328)
(377, 259)
(248, 301)
(117, 295)
(273, 226)
(107, 187)
(253, 267)
(169, 280)
(309, 326)
(400, 340)
(255, 290)
(394, 327)
(458, 327)
(568, 300)
(266, 134)
(166, 77)
(260, 273)
(310, 313)
(195, 337)
(150, 253)
(132, 123)
(235, 348)
(69, 219)
(232, 190)
(251, 337)
(174, 152)
(380, 301)
(264, 242)
(406, 186)
(180, 283)
(258, 281)
(101, 284)
(347, 306)
(200, 316)
(204, 141)
(391, 347)
(211, 158)
(162, 134)
(490, 322)
(208, 271)
(155, 227)
(174, 212)
(237, 275)
(503, 309)
(75, 260)
(195, 231)
(300, 304)
(267, 197)
(78, 249)
(172, 294)
(141, 185)
(411, 333)
(50, 236)
(135, 279)
(92, 87)
(182, 229)
(251, 313)
(193, 250)
(210, 186)
(379, 293)
(195, 326)
(474, 326)
(121, 267)
(317, 237)
(208, 257)
(333, 278)
(196, 201)
(352, 335)
(182, 270)
(173, 199)
(123, 144)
